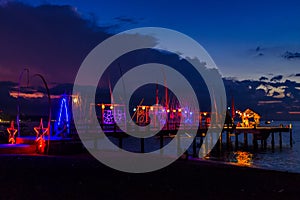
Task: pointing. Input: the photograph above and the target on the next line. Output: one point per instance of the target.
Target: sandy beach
(83, 177)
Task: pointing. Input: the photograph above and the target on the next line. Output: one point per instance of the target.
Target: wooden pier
(258, 134)
(232, 134)
(230, 139)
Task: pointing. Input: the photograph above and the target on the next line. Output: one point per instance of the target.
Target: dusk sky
(247, 40)
(252, 40)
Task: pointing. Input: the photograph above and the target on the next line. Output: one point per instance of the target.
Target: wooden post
(178, 144)
(201, 139)
(142, 145)
(115, 129)
(272, 141)
(206, 144)
(280, 140)
(236, 141)
(228, 136)
(161, 141)
(254, 141)
(245, 139)
(228, 142)
(221, 141)
(195, 147)
(120, 141)
(291, 136)
(265, 144)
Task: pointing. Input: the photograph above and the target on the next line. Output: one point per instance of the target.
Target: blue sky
(247, 40)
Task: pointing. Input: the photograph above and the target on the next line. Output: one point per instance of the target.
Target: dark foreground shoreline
(83, 177)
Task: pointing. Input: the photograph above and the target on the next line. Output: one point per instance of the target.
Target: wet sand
(83, 177)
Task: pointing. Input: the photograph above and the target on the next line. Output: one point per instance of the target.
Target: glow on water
(285, 159)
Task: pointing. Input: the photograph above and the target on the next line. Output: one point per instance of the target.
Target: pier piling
(272, 141)
(220, 142)
(265, 143)
(142, 145)
(280, 140)
(161, 142)
(291, 136)
(254, 142)
(201, 139)
(228, 140)
(178, 144)
(245, 140)
(236, 141)
(120, 142)
(195, 147)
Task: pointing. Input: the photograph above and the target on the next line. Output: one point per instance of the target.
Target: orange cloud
(268, 102)
(35, 95)
(294, 112)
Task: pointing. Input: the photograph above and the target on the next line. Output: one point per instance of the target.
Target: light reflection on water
(286, 159)
(241, 158)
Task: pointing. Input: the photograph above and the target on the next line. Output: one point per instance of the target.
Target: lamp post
(18, 100)
(49, 102)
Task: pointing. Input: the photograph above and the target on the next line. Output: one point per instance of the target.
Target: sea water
(285, 159)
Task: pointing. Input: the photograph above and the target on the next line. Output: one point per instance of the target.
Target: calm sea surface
(286, 159)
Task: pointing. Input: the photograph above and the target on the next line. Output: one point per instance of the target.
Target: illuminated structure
(12, 133)
(63, 121)
(142, 115)
(188, 115)
(62, 126)
(246, 117)
(40, 137)
(112, 114)
(204, 119)
(160, 116)
(157, 114)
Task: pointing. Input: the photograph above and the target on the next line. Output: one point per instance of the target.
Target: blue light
(64, 110)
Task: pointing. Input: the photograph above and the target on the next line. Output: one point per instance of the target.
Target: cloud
(268, 102)
(263, 78)
(271, 91)
(294, 75)
(259, 51)
(36, 95)
(124, 19)
(294, 112)
(276, 78)
(291, 55)
(51, 40)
